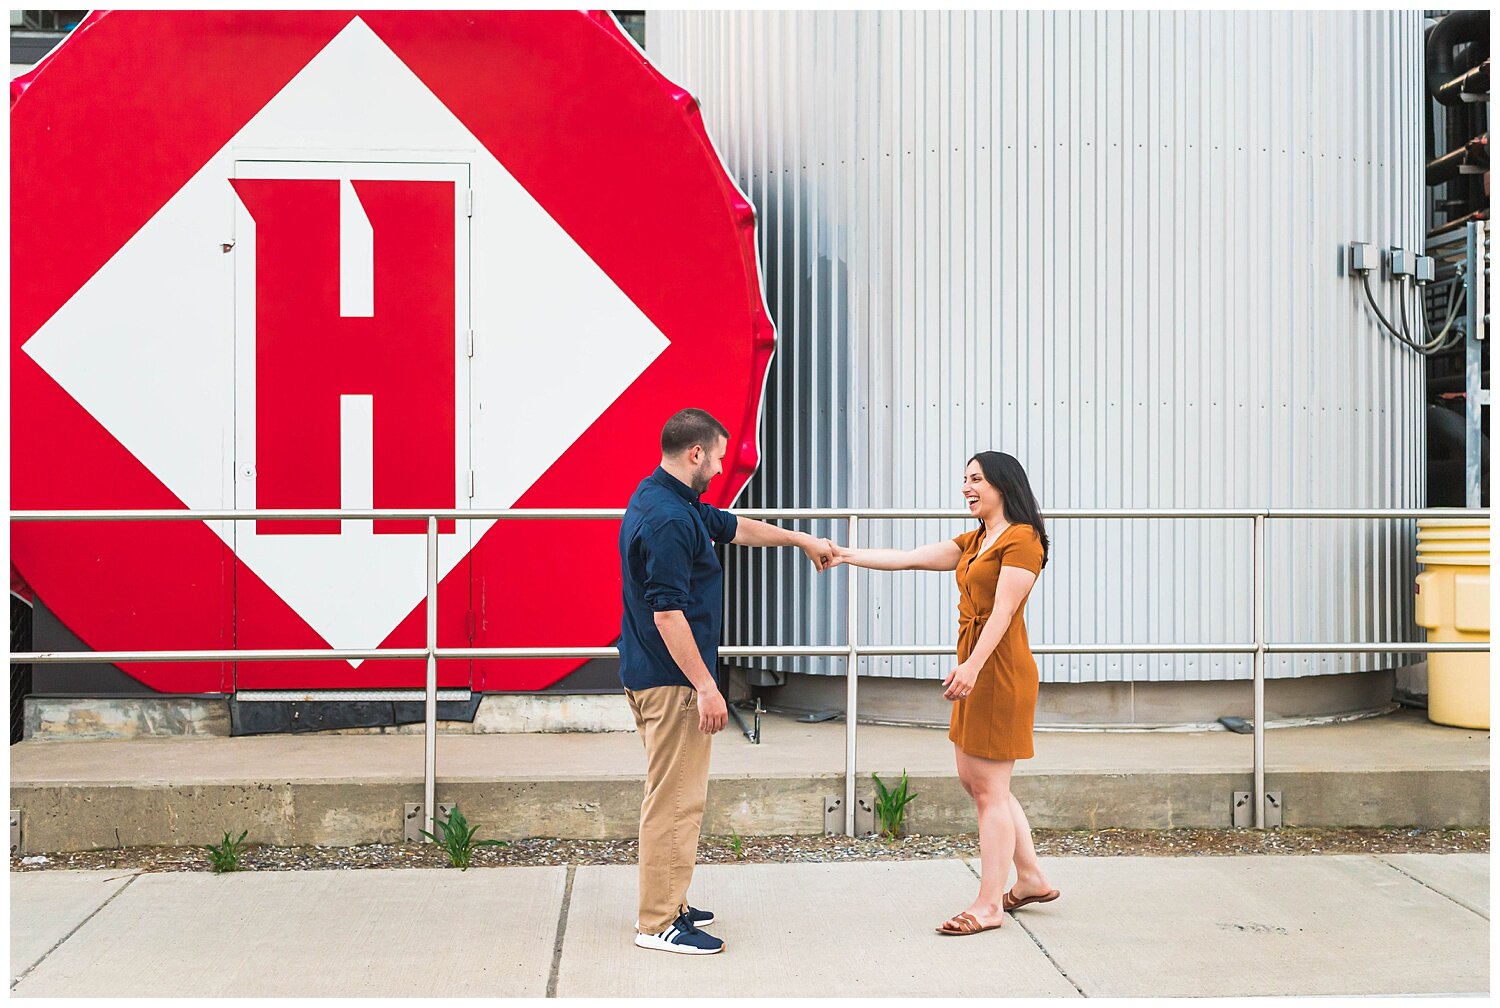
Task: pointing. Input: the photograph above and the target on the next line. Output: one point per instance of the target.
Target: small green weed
(457, 839)
(890, 804)
(224, 856)
(737, 845)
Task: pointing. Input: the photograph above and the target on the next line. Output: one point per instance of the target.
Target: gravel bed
(784, 849)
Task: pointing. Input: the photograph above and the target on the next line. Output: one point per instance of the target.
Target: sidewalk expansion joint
(1034, 940)
(28, 971)
(562, 928)
(1424, 885)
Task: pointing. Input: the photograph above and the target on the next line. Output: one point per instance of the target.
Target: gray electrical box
(1403, 263)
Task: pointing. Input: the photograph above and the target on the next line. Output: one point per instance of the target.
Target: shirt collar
(682, 490)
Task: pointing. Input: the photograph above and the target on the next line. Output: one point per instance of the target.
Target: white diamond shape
(147, 345)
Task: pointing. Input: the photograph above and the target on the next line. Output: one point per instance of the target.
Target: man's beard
(700, 481)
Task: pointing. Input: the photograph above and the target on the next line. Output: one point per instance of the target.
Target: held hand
(713, 713)
(960, 682)
(840, 555)
(828, 550)
(820, 552)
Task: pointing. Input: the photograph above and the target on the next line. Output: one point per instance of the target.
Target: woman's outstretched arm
(938, 556)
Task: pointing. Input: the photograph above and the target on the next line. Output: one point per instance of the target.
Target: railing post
(851, 675)
(429, 769)
(1259, 758)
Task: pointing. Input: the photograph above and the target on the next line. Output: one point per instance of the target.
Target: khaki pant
(672, 809)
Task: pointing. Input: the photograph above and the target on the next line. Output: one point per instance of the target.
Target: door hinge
(471, 342)
(471, 484)
(469, 204)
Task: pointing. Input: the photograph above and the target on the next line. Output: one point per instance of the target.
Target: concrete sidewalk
(350, 789)
(1208, 926)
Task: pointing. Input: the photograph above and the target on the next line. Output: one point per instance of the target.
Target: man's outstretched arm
(749, 532)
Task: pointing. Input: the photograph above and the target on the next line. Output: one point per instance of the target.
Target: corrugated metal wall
(1110, 244)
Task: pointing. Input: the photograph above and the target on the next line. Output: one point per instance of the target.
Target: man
(669, 640)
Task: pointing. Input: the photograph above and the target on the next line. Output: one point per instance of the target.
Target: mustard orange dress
(994, 721)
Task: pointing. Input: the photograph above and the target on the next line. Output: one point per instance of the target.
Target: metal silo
(1112, 245)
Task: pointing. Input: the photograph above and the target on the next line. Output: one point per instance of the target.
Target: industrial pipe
(1473, 85)
(1457, 223)
(1451, 31)
(1473, 158)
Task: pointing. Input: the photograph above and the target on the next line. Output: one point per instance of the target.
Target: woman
(994, 686)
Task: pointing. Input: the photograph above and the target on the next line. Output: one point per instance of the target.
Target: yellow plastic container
(1453, 604)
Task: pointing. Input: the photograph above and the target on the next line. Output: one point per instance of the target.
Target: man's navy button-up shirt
(667, 562)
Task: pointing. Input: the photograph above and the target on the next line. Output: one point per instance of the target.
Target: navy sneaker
(681, 936)
(700, 918)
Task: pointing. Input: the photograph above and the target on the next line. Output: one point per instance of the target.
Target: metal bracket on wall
(1244, 811)
(15, 830)
(413, 819)
(833, 816)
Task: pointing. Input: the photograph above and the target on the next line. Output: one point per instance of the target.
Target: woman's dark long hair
(1005, 474)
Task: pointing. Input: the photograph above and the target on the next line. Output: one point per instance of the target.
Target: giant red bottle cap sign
(386, 259)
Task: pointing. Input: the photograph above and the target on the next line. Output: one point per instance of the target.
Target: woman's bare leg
(1030, 879)
(988, 781)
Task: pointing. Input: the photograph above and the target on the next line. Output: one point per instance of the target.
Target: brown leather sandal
(967, 925)
(1010, 903)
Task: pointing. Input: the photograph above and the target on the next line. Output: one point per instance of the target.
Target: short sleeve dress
(994, 721)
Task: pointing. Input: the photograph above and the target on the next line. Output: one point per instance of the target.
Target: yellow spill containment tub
(1453, 604)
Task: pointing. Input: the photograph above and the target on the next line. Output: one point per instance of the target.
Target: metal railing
(851, 651)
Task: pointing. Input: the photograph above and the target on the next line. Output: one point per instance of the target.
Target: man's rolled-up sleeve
(721, 525)
(668, 554)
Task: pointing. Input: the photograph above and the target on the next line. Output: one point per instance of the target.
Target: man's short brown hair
(691, 427)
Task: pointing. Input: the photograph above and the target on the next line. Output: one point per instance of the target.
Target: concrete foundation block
(1429, 798)
(93, 817)
(50, 718)
(583, 809)
(1085, 801)
(510, 713)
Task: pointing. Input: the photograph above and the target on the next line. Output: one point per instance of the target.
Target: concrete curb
(64, 817)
